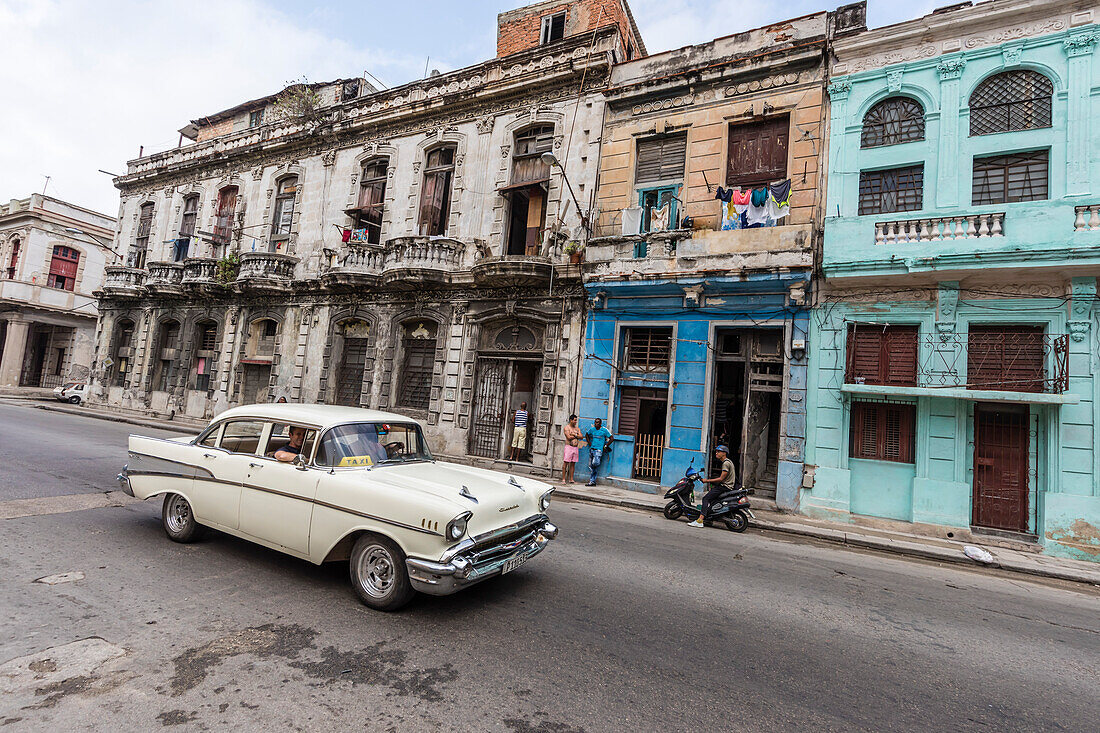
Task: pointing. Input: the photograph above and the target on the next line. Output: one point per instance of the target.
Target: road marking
(16, 508)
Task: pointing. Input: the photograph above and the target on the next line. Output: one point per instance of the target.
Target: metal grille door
(1000, 469)
(488, 408)
(349, 379)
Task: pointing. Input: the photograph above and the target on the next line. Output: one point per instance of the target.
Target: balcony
(513, 271)
(165, 278)
(1086, 218)
(123, 282)
(938, 229)
(411, 262)
(265, 272)
(358, 266)
(200, 274)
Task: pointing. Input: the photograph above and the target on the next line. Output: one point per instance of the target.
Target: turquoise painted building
(953, 377)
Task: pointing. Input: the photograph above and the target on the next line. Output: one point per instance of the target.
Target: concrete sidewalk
(929, 548)
(179, 424)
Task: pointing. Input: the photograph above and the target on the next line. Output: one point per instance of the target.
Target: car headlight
(544, 500)
(457, 526)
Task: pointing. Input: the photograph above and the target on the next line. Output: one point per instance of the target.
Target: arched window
(415, 379)
(164, 371)
(13, 261)
(63, 267)
(140, 252)
(892, 121)
(526, 194)
(123, 350)
(187, 227)
(435, 196)
(354, 339)
(372, 199)
(1009, 101)
(205, 348)
(286, 190)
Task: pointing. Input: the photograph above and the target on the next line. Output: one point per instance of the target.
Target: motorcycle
(731, 507)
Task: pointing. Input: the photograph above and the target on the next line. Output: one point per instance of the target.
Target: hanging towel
(757, 212)
(345, 235)
(779, 199)
(731, 218)
(658, 221)
(632, 221)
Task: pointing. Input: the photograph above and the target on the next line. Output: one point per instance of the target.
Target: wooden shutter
(660, 158)
(630, 404)
(427, 196)
(1006, 357)
(900, 356)
(757, 153)
(882, 431)
(882, 355)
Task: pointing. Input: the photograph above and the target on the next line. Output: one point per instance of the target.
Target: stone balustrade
(164, 273)
(1087, 218)
(426, 253)
(199, 270)
(362, 259)
(937, 229)
(271, 267)
(122, 281)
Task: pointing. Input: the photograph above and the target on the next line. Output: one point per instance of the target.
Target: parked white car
(327, 483)
(71, 392)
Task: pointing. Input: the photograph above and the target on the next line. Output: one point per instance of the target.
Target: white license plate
(514, 562)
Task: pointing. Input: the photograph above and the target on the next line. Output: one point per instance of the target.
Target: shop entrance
(746, 404)
(502, 385)
(1001, 443)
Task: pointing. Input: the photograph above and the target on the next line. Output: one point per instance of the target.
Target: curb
(897, 547)
(159, 424)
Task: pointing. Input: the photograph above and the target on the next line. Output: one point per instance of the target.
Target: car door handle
(255, 465)
(209, 455)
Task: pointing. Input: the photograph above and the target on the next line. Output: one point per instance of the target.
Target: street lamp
(550, 159)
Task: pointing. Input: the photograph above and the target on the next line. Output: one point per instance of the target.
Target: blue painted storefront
(759, 300)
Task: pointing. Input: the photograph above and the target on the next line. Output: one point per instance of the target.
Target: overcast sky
(85, 83)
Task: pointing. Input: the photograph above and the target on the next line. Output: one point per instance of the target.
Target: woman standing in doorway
(572, 450)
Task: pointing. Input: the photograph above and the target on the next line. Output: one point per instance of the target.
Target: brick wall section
(212, 131)
(519, 30)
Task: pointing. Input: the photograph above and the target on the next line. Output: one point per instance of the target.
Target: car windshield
(372, 444)
(70, 385)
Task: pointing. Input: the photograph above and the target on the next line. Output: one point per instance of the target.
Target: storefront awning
(961, 393)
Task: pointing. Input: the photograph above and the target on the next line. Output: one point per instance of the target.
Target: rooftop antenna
(45, 184)
(426, 66)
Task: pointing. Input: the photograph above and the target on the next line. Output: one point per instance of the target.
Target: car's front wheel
(378, 573)
(178, 519)
(74, 400)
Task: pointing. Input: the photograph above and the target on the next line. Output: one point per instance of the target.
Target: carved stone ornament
(485, 124)
(893, 79)
(328, 158)
(1011, 34)
(1011, 56)
(951, 68)
(1079, 44)
(839, 89)
(1078, 330)
(257, 173)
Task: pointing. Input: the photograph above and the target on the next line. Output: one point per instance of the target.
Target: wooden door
(757, 153)
(349, 380)
(1001, 468)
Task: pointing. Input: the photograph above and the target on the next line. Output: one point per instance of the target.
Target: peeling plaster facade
(47, 333)
(308, 317)
(988, 457)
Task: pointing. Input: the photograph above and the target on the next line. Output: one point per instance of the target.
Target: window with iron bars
(1006, 357)
(893, 189)
(893, 121)
(647, 349)
(1000, 179)
(1010, 101)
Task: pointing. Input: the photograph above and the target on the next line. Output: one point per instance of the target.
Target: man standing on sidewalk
(519, 432)
(599, 439)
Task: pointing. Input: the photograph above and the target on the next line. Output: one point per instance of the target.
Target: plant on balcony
(575, 250)
(227, 268)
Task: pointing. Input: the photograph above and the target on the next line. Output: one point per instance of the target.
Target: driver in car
(726, 480)
(294, 447)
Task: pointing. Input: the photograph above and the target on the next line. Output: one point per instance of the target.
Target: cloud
(88, 83)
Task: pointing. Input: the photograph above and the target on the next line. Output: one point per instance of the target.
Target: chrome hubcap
(376, 571)
(179, 514)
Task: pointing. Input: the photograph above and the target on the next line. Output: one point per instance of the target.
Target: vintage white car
(328, 483)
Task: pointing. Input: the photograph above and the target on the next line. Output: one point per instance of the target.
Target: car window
(242, 436)
(280, 439)
(210, 440)
(370, 444)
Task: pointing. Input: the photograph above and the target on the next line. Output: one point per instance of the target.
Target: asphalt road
(627, 622)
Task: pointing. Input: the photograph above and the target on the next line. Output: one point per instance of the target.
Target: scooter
(730, 508)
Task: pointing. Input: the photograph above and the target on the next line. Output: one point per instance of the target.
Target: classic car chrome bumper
(123, 479)
(480, 558)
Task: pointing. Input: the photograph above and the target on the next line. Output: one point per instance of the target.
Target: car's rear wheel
(178, 519)
(378, 573)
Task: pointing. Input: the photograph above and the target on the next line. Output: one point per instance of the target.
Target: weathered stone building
(398, 248)
(52, 256)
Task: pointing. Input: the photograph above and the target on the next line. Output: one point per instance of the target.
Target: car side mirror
(299, 462)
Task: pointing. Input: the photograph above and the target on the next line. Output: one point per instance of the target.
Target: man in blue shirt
(599, 439)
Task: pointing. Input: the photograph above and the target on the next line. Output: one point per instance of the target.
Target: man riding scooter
(726, 480)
